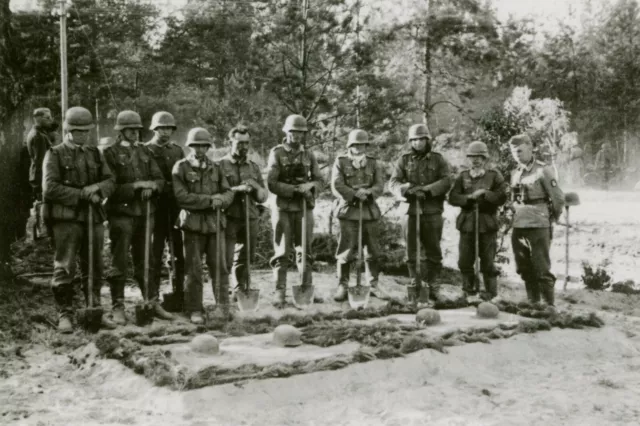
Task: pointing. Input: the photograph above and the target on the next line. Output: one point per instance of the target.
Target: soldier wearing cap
(537, 202)
(166, 153)
(483, 188)
(201, 188)
(138, 178)
(245, 177)
(357, 179)
(293, 175)
(39, 140)
(422, 178)
(75, 179)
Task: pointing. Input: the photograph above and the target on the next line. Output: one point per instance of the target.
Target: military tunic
(346, 179)
(287, 168)
(432, 171)
(537, 202)
(38, 143)
(236, 173)
(492, 181)
(127, 216)
(166, 156)
(195, 183)
(67, 169)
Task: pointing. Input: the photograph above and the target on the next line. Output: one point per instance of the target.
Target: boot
(117, 301)
(548, 292)
(118, 315)
(161, 313)
(344, 269)
(412, 295)
(467, 284)
(64, 324)
(280, 300)
(533, 292)
(63, 296)
(196, 318)
(490, 285)
(372, 271)
(107, 324)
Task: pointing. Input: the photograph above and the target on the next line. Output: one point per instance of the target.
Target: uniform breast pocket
(69, 174)
(192, 179)
(143, 168)
(232, 179)
(93, 172)
(212, 184)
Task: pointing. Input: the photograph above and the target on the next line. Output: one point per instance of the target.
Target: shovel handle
(304, 239)
(147, 241)
(91, 254)
(247, 246)
(358, 270)
(418, 272)
(172, 260)
(566, 251)
(218, 263)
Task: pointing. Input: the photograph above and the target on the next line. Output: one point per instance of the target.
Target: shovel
(144, 310)
(359, 295)
(172, 302)
(423, 295)
(570, 199)
(476, 242)
(90, 318)
(303, 295)
(248, 297)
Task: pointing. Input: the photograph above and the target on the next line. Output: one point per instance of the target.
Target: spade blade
(144, 314)
(302, 295)
(359, 296)
(90, 319)
(248, 300)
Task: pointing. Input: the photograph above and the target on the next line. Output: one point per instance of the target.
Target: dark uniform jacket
(346, 179)
(537, 198)
(285, 170)
(67, 169)
(166, 156)
(237, 172)
(496, 195)
(131, 164)
(38, 143)
(194, 184)
(411, 170)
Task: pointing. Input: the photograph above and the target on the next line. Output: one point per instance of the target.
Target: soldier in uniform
(166, 154)
(138, 178)
(485, 188)
(537, 202)
(293, 175)
(422, 178)
(245, 178)
(605, 164)
(75, 178)
(38, 143)
(201, 188)
(357, 178)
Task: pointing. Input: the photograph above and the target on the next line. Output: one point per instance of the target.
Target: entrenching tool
(144, 310)
(476, 242)
(423, 292)
(90, 318)
(359, 294)
(173, 301)
(248, 297)
(570, 199)
(303, 295)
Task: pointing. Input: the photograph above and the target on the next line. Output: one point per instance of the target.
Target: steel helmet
(128, 120)
(418, 131)
(78, 118)
(357, 137)
(286, 335)
(477, 148)
(162, 119)
(199, 136)
(295, 122)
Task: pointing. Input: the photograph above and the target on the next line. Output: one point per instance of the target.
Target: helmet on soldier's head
(78, 118)
(199, 136)
(295, 122)
(128, 120)
(418, 131)
(477, 148)
(162, 119)
(357, 137)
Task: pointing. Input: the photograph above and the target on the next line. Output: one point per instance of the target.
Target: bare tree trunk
(426, 107)
(303, 57)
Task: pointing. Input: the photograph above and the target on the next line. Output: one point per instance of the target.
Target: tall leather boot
(117, 301)
(467, 284)
(490, 286)
(548, 292)
(343, 282)
(63, 296)
(533, 291)
(412, 288)
(373, 272)
(280, 275)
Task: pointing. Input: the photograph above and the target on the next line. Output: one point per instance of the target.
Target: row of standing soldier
(183, 196)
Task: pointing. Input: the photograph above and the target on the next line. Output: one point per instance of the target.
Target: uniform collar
(191, 158)
(420, 156)
(73, 146)
(154, 142)
(288, 148)
(126, 144)
(527, 167)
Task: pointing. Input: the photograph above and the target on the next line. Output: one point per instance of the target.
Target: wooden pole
(63, 58)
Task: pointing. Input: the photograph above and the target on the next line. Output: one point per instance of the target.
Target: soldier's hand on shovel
(242, 188)
(95, 198)
(362, 194)
(146, 194)
(88, 191)
(216, 202)
(477, 194)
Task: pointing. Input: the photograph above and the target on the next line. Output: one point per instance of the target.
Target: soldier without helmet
(201, 188)
(292, 175)
(486, 189)
(138, 178)
(75, 178)
(422, 178)
(537, 202)
(357, 178)
(166, 153)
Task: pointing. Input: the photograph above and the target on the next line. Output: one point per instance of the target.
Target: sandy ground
(562, 377)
